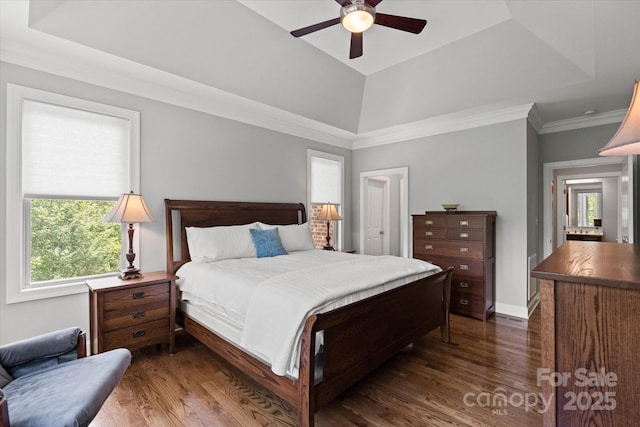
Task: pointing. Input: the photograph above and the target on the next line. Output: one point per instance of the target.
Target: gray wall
(534, 177)
(575, 144)
(184, 154)
(482, 169)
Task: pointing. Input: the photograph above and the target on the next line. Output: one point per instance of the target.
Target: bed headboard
(194, 213)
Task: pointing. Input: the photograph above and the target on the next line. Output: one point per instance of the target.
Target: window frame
(17, 224)
(338, 236)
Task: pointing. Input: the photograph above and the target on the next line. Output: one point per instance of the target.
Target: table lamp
(130, 208)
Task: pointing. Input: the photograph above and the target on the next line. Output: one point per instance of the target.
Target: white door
(374, 231)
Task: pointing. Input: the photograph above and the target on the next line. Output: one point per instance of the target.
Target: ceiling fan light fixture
(357, 17)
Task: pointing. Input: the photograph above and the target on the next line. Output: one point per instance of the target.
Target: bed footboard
(361, 336)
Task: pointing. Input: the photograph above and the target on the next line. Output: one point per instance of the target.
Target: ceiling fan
(359, 15)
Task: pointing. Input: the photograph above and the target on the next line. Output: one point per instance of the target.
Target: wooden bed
(357, 338)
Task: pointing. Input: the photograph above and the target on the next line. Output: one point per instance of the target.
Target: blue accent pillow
(267, 242)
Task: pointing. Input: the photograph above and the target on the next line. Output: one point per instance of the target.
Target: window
(325, 181)
(68, 160)
(588, 208)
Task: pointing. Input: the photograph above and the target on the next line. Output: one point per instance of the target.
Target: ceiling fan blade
(373, 3)
(342, 2)
(356, 45)
(315, 27)
(411, 25)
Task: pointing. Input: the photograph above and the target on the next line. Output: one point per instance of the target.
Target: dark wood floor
(482, 378)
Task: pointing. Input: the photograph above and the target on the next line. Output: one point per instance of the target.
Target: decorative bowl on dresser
(132, 313)
(466, 241)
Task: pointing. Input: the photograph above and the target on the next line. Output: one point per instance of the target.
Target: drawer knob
(428, 247)
(138, 314)
(464, 285)
(464, 302)
(428, 233)
(464, 235)
(464, 223)
(137, 295)
(138, 334)
(429, 222)
(464, 250)
(464, 267)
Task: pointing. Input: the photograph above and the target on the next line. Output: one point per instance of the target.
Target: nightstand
(132, 313)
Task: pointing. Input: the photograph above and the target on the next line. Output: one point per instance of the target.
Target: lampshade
(130, 208)
(357, 17)
(626, 141)
(328, 212)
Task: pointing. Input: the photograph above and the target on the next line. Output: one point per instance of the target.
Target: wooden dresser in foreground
(466, 241)
(132, 313)
(590, 331)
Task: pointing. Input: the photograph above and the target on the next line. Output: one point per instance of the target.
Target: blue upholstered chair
(48, 381)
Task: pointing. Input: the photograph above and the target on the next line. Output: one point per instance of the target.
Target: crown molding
(95, 67)
(467, 119)
(599, 119)
(535, 119)
(99, 68)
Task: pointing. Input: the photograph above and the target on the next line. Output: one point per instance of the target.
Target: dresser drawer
(463, 267)
(467, 285)
(138, 335)
(463, 234)
(433, 221)
(121, 318)
(132, 298)
(465, 303)
(470, 250)
(465, 221)
(429, 233)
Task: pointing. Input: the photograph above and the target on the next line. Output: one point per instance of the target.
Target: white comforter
(270, 298)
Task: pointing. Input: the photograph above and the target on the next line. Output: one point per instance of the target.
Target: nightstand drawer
(135, 297)
(132, 313)
(137, 335)
(116, 319)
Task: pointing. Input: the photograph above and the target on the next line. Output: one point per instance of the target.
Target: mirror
(584, 202)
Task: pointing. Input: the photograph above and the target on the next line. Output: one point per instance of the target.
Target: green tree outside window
(69, 239)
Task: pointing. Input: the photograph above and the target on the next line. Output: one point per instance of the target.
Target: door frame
(404, 204)
(548, 214)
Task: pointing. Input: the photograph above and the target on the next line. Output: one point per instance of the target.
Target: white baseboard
(533, 303)
(512, 310)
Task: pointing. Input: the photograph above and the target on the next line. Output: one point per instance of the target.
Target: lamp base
(130, 273)
(328, 248)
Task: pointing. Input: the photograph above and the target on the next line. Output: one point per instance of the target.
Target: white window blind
(326, 179)
(73, 153)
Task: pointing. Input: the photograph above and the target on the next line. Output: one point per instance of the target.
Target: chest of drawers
(466, 241)
(132, 313)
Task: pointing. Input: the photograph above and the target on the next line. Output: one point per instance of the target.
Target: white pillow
(207, 244)
(294, 237)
